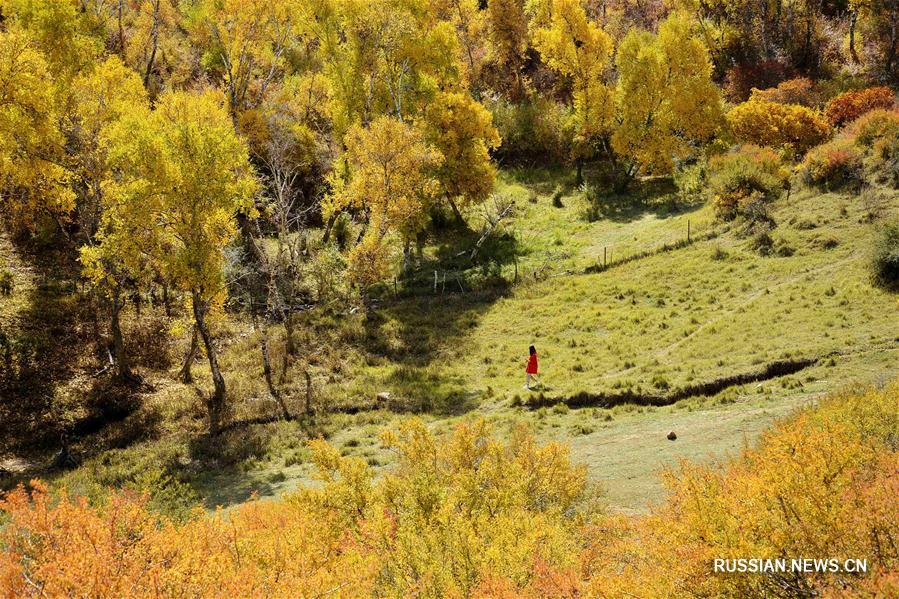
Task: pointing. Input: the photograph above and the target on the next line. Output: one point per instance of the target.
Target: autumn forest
(272, 273)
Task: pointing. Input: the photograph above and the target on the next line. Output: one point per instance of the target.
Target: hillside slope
(714, 310)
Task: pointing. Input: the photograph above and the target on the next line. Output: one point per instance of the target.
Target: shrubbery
(850, 105)
(537, 128)
(742, 182)
(885, 262)
(743, 78)
(792, 91)
(873, 126)
(834, 164)
(791, 127)
(822, 483)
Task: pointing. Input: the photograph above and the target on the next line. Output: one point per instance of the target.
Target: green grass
(711, 309)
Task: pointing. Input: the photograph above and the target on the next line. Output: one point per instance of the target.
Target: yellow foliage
(368, 262)
(461, 129)
(665, 99)
(820, 484)
(390, 169)
(790, 127)
(470, 515)
(33, 178)
(576, 47)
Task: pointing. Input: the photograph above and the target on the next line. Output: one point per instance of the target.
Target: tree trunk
(267, 371)
(290, 347)
(121, 29)
(456, 210)
(186, 375)
(891, 53)
(122, 368)
(328, 226)
(579, 174)
(853, 19)
(155, 43)
(166, 300)
(308, 392)
(216, 404)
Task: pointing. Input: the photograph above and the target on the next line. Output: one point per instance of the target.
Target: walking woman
(531, 369)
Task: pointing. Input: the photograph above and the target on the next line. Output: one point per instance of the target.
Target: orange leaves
(263, 549)
(791, 91)
(850, 105)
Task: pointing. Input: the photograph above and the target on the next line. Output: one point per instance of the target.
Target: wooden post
(688, 230)
(604, 249)
(435, 281)
(308, 392)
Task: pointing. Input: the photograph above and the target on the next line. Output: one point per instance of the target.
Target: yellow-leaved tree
(462, 130)
(665, 99)
(33, 176)
(390, 178)
(180, 177)
(101, 97)
(507, 33)
(246, 43)
(576, 47)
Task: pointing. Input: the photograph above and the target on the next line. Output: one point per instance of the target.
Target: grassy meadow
(675, 318)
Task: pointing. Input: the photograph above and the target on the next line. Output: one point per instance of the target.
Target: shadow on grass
(39, 352)
(651, 195)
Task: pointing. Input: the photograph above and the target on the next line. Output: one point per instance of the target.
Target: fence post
(604, 257)
(435, 281)
(688, 230)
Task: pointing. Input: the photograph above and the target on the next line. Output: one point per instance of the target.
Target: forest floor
(680, 316)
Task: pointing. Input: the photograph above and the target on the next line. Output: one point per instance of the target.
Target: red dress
(532, 365)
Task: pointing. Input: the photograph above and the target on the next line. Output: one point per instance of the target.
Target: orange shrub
(791, 91)
(834, 164)
(850, 105)
(741, 79)
(788, 126)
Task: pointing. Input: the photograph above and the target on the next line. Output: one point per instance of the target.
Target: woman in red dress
(531, 369)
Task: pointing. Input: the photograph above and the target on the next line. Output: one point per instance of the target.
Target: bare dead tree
(500, 207)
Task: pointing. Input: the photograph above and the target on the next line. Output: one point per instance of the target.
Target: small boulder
(672, 435)
(383, 396)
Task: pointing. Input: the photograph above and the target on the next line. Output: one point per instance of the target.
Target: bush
(833, 165)
(877, 132)
(885, 262)
(791, 91)
(852, 104)
(742, 79)
(885, 160)
(741, 181)
(690, 180)
(874, 125)
(830, 468)
(369, 262)
(6, 281)
(788, 126)
(533, 129)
